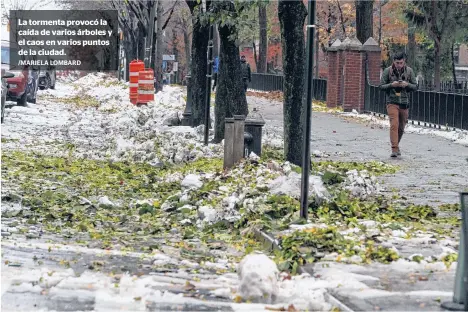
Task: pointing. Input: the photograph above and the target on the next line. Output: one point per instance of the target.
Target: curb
(334, 301)
(271, 244)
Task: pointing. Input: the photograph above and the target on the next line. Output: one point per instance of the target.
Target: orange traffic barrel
(135, 67)
(146, 86)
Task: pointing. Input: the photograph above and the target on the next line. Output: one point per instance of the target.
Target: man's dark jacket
(398, 95)
(245, 67)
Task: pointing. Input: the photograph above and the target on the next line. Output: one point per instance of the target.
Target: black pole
(149, 42)
(209, 73)
(308, 110)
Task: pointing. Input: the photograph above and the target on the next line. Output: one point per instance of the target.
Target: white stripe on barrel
(133, 85)
(134, 74)
(145, 92)
(146, 81)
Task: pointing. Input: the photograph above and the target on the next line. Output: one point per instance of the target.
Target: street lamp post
(308, 110)
(187, 114)
(460, 293)
(209, 73)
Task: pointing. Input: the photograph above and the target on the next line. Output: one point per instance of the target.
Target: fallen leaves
(189, 286)
(271, 95)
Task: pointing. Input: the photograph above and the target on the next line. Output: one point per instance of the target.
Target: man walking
(245, 67)
(398, 81)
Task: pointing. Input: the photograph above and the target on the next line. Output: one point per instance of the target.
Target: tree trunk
(380, 23)
(141, 41)
(263, 45)
(452, 52)
(329, 25)
(230, 95)
(175, 51)
(255, 54)
(187, 50)
(341, 20)
(437, 51)
(130, 52)
(364, 19)
(292, 16)
(198, 65)
(159, 47)
(215, 41)
(411, 46)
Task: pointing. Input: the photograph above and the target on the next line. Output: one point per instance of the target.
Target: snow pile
(105, 125)
(291, 185)
(361, 184)
(192, 181)
(455, 135)
(67, 76)
(258, 276)
(133, 132)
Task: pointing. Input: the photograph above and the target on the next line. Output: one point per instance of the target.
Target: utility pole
(308, 110)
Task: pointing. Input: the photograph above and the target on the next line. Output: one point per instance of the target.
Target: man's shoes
(394, 154)
(399, 153)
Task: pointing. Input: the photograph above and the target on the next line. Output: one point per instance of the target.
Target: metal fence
(445, 86)
(428, 108)
(271, 82)
(266, 82)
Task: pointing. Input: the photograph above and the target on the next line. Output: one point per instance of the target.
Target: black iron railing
(427, 108)
(271, 82)
(445, 86)
(266, 82)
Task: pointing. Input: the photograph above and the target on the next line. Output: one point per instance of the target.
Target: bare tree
(263, 49)
(26, 5)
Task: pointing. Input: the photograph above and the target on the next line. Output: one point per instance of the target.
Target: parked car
(5, 76)
(47, 79)
(23, 86)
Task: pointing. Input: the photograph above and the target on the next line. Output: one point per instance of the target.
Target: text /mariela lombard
(51, 62)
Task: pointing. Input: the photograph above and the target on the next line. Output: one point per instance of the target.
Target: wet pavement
(433, 171)
(396, 288)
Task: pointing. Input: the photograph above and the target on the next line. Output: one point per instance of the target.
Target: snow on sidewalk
(455, 135)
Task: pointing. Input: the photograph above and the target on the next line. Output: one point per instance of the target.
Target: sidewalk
(433, 170)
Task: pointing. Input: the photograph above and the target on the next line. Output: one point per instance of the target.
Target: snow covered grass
(458, 136)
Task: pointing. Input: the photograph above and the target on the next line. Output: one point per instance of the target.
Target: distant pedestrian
(215, 71)
(398, 81)
(246, 74)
